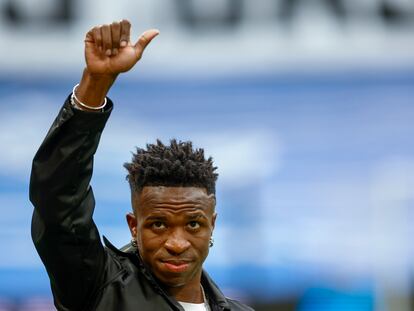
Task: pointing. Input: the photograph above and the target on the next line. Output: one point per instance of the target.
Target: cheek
(201, 244)
(148, 242)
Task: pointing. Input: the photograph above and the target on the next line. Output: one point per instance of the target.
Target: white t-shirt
(193, 306)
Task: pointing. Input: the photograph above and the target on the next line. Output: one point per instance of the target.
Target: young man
(172, 194)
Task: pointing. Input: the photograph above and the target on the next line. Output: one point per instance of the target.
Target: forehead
(158, 197)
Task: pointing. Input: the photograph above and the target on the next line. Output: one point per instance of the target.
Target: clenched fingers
(109, 38)
(116, 35)
(125, 32)
(106, 39)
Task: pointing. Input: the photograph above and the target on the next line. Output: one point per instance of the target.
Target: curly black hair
(175, 165)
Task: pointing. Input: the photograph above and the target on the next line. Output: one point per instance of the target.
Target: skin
(109, 52)
(173, 226)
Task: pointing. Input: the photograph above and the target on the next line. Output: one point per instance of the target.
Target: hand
(109, 50)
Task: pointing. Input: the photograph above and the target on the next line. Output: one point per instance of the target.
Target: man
(172, 195)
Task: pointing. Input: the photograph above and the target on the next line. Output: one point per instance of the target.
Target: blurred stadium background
(306, 106)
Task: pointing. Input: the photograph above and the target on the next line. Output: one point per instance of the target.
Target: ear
(213, 221)
(132, 224)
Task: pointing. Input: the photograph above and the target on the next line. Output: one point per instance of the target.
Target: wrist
(93, 88)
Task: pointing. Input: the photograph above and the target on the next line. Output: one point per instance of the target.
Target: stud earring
(134, 243)
(211, 242)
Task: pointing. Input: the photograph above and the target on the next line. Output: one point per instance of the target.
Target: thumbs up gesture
(109, 50)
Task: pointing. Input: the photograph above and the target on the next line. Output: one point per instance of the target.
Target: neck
(187, 293)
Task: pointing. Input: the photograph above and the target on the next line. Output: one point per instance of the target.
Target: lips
(175, 266)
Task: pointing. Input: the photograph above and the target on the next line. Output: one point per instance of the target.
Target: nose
(176, 243)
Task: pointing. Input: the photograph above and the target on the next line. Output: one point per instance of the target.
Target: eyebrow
(164, 218)
(196, 216)
(156, 217)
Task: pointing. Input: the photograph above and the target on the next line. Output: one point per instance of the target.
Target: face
(173, 226)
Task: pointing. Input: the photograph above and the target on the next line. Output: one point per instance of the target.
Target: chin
(173, 281)
(174, 278)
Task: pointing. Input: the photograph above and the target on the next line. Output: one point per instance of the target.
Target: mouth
(175, 266)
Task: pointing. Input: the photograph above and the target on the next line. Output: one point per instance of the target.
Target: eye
(158, 225)
(194, 225)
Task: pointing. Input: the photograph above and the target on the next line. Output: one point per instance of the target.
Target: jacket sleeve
(63, 231)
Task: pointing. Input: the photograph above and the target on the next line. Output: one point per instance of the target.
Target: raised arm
(63, 231)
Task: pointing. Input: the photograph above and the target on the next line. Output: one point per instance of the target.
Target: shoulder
(236, 305)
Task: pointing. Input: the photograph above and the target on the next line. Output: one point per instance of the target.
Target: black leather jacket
(84, 274)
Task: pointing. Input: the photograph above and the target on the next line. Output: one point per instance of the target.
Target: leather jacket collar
(211, 289)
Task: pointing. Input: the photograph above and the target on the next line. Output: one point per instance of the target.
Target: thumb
(145, 39)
